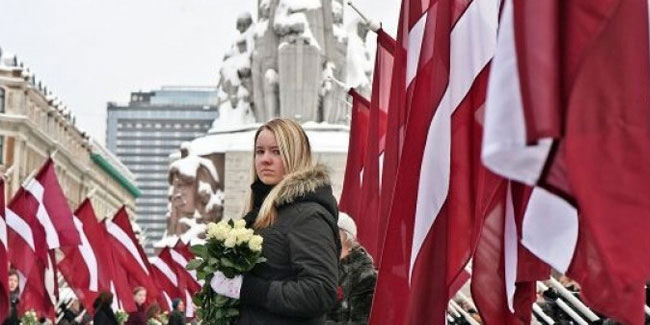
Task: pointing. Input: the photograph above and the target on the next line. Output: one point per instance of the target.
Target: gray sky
(90, 52)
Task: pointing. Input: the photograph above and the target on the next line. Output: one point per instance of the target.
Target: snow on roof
(323, 137)
(189, 166)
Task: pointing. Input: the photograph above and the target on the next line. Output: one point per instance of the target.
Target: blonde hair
(295, 152)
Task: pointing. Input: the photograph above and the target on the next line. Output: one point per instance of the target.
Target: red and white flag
(119, 284)
(351, 192)
(87, 268)
(130, 254)
(433, 226)
(181, 255)
(167, 278)
(568, 114)
(371, 228)
(4, 261)
(504, 273)
(39, 221)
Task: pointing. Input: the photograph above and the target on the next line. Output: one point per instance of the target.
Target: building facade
(34, 126)
(145, 132)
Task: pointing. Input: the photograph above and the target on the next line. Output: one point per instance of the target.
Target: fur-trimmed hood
(312, 185)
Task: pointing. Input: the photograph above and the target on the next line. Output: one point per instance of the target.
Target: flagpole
(573, 300)
(464, 313)
(372, 25)
(563, 305)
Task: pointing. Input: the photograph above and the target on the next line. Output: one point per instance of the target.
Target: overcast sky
(90, 52)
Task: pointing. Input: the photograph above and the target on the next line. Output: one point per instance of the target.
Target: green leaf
(199, 250)
(194, 264)
(226, 262)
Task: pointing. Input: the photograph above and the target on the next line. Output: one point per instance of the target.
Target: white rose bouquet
(231, 249)
(29, 318)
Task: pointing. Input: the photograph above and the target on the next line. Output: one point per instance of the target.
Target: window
(2, 100)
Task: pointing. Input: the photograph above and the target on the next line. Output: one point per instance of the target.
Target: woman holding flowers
(292, 208)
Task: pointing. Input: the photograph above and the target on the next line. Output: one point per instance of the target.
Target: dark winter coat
(104, 316)
(176, 318)
(12, 318)
(138, 317)
(297, 284)
(357, 279)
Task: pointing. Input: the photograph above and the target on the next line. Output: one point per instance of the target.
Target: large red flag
(569, 114)
(351, 192)
(39, 221)
(433, 227)
(86, 267)
(4, 262)
(130, 254)
(370, 227)
(504, 273)
(169, 281)
(119, 284)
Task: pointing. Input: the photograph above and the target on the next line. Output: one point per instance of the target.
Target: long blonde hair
(296, 156)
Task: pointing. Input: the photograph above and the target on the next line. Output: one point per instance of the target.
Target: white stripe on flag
(416, 34)
(3, 232)
(550, 225)
(165, 269)
(189, 305)
(510, 241)
(20, 227)
(169, 301)
(505, 150)
(36, 189)
(88, 255)
(126, 241)
(550, 229)
(473, 42)
(180, 259)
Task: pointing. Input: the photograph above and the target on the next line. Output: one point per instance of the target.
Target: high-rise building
(145, 132)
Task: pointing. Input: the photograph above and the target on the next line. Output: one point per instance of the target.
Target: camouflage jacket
(357, 278)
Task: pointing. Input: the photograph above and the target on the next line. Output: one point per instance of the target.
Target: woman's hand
(225, 286)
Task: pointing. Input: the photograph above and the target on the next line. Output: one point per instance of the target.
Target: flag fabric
(39, 221)
(432, 227)
(130, 255)
(371, 228)
(87, 268)
(4, 261)
(351, 192)
(119, 284)
(504, 273)
(181, 255)
(568, 114)
(167, 279)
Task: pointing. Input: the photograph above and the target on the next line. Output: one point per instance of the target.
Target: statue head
(244, 21)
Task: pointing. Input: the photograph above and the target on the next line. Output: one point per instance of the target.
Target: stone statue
(195, 192)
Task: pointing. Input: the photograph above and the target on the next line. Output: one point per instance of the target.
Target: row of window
(139, 125)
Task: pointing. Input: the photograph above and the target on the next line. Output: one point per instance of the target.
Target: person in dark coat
(138, 317)
(103, 312)
(14, 294)
(292, 207)
(177, 317)
(357, 278)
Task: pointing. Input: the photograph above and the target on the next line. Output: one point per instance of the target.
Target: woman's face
(140, 297)
(181, 306)
(13, 282)
(268, 160)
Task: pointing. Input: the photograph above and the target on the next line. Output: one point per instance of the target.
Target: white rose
(221, 233)
(255, 243)
(243, 236)
(231, 240)
(239, 224)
